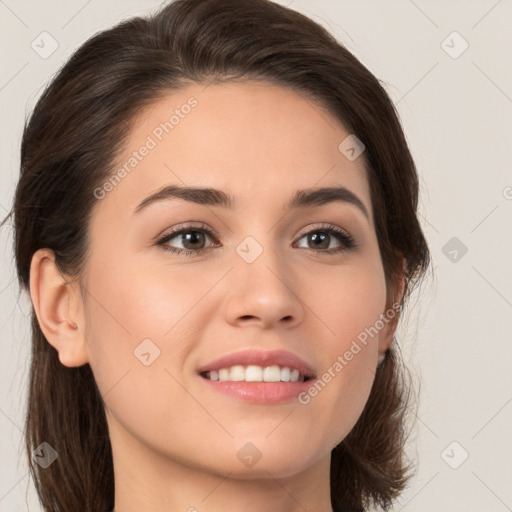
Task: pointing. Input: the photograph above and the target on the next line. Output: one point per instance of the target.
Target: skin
(175, 440)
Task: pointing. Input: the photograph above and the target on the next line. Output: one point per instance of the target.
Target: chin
(251, 463)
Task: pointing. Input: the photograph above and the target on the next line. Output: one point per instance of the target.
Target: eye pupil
(194, 241)
(321, 237)
(192, 237)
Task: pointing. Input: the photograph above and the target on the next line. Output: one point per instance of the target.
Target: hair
(70, 144)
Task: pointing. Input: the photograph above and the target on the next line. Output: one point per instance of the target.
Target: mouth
(262, 377)
(254, 373)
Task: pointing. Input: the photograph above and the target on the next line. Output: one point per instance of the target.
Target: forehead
(257, 141)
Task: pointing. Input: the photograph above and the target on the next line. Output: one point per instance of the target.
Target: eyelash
(330, 229)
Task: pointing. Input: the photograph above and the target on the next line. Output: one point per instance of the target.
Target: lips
(259, 358)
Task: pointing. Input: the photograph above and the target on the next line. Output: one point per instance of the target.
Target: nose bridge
(261, 284)
(262, 260)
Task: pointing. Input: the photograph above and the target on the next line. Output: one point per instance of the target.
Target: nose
(264, 293)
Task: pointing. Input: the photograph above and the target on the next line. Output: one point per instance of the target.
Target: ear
(59, 309)
(392, 312)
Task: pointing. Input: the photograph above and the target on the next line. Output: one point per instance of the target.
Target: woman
(257, 370)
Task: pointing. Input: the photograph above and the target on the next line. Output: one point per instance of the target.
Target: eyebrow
(213, 197)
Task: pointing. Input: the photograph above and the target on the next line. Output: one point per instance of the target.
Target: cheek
(143, 309)
(349, 312)
(139, 317)
(126, 306)
(346, 302)
(138, 301)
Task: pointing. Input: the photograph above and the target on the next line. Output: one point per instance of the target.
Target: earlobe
(57, 304)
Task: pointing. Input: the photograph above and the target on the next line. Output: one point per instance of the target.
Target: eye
(192, 238)
(321, 237)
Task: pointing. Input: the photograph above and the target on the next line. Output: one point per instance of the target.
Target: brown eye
(321, 238)
(193, 240)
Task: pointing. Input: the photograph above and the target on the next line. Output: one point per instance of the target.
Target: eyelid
(189, 225)
(319, 226)
(208, 229)
(346, 238)
(343, 236)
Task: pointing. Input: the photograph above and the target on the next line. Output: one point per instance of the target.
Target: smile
(255, 373)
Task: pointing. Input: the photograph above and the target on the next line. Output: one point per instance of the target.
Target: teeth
(237, 373)
(254, 373)
(272, 374)
(294, 375)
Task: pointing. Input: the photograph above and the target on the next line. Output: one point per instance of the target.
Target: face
(184, 288)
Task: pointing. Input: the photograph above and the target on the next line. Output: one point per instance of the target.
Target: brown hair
(69, 147)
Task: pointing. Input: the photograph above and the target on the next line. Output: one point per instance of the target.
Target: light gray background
(456, 114)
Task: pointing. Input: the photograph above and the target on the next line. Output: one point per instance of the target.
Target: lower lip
(260, 392)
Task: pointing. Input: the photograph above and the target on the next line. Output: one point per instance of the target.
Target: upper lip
(260, 358)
